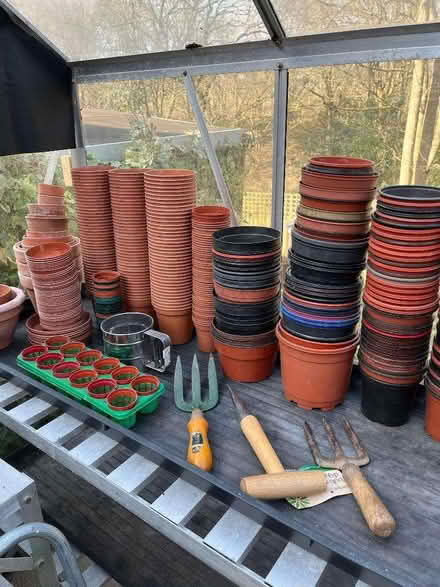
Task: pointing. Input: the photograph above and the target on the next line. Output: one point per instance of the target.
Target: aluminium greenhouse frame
(279, 54)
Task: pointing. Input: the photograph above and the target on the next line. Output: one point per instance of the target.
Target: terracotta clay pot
(362, 196)
(204, 338)
(247, 364)
(315, 375)
(100, 388)
(65, 369)
(5, 294)
(145, 385)
(177, 324)
(9, 313)
(432, 409)
(106, 366)
(82, 378)
(49, 189)
(31, 353)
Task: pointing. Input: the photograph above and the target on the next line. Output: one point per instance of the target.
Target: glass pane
(316, 16)
(146, 123)
(386, 112)
(238, 109)
(19, 179)
(88, 29)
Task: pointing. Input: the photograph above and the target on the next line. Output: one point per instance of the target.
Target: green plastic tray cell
(144, 405)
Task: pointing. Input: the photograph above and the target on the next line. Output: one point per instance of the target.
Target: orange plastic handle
(199, 452)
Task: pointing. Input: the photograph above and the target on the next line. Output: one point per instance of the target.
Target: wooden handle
(378, 518)
(199, 452)
(281, 485)
(258, 440)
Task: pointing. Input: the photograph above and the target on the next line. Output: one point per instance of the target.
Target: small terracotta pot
(122, 400)
(100, 388)
(247, 364)
(5, 294)
(48, 361)
(178, 325)
(54, 343)
(205, 339)
(51, 190)
(106, 366)
(72, 349)
(315, 375)
(31, 353)
(145, 384)
(65, 369)
(88, 357)
(82, 378)
(124, 375)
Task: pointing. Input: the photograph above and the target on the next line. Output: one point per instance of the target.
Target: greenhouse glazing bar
(279, 139)
(420, 41)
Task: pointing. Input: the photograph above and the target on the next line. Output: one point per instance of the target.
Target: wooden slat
(179, 501)
(296, 568)
(233, 536)
(93, 449)
(61, 429)
(133, 474)
(10, 393)
(32, 410)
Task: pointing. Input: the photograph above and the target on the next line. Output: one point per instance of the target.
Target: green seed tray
(144, 404)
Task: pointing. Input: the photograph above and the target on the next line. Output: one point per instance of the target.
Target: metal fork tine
(354, 439)
(308, 433)
(196, 392)
(332, 438)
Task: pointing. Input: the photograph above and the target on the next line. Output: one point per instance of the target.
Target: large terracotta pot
(176, 323)
(315, 375)
(9, 313)
(247, 364)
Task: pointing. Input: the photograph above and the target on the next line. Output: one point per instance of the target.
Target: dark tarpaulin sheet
(36, 111)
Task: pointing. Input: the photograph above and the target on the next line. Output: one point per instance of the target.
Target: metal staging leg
(279, 146)
(44, 533)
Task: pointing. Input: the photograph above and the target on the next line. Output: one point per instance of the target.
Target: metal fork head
(196, 396)
(340, 459)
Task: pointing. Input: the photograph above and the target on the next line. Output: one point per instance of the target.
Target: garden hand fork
(378, 518)
(198, 452)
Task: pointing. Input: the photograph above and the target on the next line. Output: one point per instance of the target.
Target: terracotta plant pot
(5, 294)
(72, 349)
(9, 313)
(100, 388)
(106, 366)
(31, 353)
(247, 364)
(205, 339)
(315, 375)
(177, 324)
(82, 378)
(48, 361)
(51, 190)
(54, 343)
(65, 369)
(124, 375)
(145, 384)
(432, 409)
(88, 357)
(122, 400)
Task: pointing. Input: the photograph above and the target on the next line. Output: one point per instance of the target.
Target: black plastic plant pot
(245, 328)
(351, 290)
(246, 310)
(323, 277)
(246, 240)
(340, 170)
(247, 266)
(248, 320)
(415, 193)
(325, 265)
(319, 333)
(247, 282)
(386, 404)
(322, 312)
(400, 212)
(328, 252)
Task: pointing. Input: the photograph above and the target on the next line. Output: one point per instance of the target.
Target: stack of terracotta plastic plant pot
(11, 301)
(46, 222)
(432, 387)
(94, 217)
(170, 196)
(57, 289)
(246, 262)
(205, 221)
(321, 298)
(106, 295)
(130, 230)
(400, 298)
